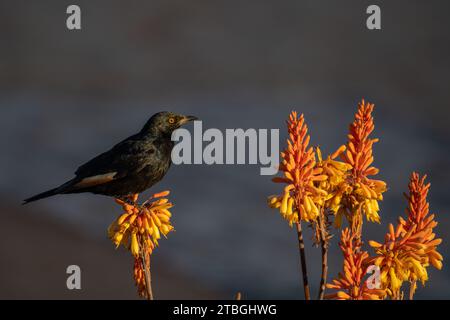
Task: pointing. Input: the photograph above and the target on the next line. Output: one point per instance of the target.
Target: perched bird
(131, 166)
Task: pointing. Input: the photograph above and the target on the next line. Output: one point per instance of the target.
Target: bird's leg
(129, 199)
(124, 199)
(145, 203)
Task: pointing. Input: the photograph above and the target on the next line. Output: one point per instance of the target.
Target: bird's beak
(187, 119)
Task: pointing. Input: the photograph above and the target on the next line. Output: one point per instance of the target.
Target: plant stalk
(324, 247)
(301, 246)
(145, 257)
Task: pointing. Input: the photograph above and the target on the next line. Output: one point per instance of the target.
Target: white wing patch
(95, 180)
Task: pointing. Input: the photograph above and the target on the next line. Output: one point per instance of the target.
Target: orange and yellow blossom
(336, 183)
(359, 195)
(410, 247)
(138, 229)
(300, 198)
(142, 225)
(350, 283)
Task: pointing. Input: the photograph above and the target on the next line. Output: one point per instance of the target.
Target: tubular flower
(360, 194)
(410, 247)
(350, 283)
(300, 198)
(336, 183)
(141, 227)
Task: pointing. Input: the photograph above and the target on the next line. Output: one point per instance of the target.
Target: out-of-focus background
(66, 96)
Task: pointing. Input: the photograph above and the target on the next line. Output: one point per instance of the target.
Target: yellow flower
(335, 185)
(300, 197)
(350, 283)
(138, 229)
(410, 247)
(142, 226)
(360, 194)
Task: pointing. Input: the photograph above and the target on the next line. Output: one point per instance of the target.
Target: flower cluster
(358, 194)
(336, 184)
(343, 187)
(317, 187)
(351, 284)
(138, 229)
(410, 247)
(300, 197)
(142, 225)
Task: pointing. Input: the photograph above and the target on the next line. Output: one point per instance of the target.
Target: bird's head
(166, 122)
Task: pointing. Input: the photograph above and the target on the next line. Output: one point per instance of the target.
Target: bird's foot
(130, 199)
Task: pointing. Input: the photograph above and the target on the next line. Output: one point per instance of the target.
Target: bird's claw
(129, 199)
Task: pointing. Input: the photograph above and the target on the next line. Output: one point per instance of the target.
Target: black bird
(131, 166)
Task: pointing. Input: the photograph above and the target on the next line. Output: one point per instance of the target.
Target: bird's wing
(95, 180)
(114, 164)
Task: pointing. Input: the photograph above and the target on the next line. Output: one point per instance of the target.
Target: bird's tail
(42, 195)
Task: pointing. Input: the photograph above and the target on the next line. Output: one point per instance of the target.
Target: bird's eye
(171, 120)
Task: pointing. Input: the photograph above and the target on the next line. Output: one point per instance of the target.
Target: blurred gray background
(66, 96)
